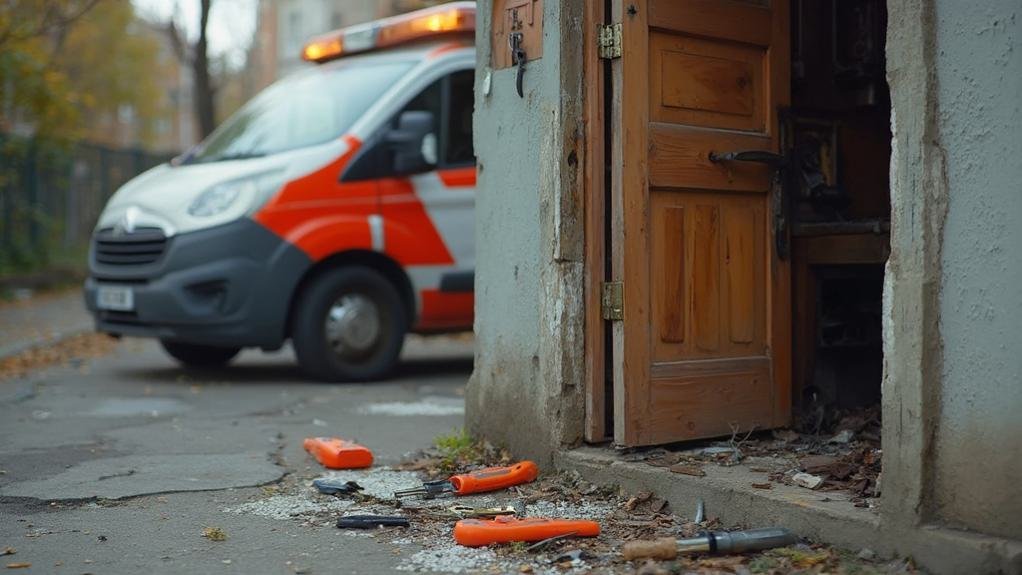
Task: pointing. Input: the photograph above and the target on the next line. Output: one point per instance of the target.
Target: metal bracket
(608, 41)
(612, 300)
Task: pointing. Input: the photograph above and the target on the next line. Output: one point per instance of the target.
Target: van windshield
(309, 108)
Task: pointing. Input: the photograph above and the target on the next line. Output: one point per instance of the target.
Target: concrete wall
(523, 393)
(978, 445)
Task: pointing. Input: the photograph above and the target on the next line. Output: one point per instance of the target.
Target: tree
(197, 58)
(68, 66)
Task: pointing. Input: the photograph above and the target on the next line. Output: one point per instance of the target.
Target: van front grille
(139, 247)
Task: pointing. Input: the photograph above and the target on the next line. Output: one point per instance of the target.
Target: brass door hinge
(612, 300)
(608, 41)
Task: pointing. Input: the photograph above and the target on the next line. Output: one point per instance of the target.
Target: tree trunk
(203, 92)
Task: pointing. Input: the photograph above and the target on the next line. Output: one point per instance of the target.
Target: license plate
(116, 298)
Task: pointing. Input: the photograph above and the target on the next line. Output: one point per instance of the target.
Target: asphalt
(41, 319)
(118, 464)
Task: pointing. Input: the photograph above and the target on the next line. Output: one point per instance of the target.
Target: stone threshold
(827, 516)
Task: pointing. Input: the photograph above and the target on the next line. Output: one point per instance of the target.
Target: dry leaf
(214, 534)
(18, 565)
(763, 485)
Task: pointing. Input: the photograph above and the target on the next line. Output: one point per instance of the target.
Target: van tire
(330, 344)
(195, 355)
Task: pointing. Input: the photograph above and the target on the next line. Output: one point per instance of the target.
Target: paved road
(116, 466)
(40, 319)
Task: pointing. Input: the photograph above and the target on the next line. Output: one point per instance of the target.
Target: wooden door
(704, 346)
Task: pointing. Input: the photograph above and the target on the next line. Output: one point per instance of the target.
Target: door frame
(596, 236)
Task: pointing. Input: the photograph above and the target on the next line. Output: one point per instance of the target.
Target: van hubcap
(353, 325)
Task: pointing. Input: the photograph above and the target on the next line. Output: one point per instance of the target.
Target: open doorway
(838, 128)
(749, 300)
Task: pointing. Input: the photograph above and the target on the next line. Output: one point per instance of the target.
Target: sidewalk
(41, 319)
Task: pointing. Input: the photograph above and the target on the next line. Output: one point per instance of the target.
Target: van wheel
(349, 324)
(194, 355)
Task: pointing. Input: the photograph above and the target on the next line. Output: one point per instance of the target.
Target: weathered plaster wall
(526, 389)
(978, 446)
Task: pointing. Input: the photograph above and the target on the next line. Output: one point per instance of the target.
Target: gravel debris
(290, 506)
(379, 482)
(595, 510)
(451, 558)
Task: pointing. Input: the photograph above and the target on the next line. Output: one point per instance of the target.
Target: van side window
(457, 127)
(428, 100)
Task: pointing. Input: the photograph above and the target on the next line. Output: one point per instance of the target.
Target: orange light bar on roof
(451, 18)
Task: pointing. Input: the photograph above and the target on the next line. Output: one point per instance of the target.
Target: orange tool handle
(494, 478)
(505, 529)
(337, 453)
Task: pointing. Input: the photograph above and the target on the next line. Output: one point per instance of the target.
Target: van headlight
(253, 191)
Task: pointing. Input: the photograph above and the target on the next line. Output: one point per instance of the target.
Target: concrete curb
(728, 495)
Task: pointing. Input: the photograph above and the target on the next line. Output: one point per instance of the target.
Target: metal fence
(51, 196)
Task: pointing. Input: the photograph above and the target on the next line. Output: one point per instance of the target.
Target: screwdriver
(478, 481)
(505, 529)
(712, 542)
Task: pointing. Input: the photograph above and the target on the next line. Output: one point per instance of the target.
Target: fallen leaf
(214, 534)
(763, 485)
(18, 565)
(693, 470)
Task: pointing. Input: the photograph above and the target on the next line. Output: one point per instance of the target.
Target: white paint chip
(430, 406)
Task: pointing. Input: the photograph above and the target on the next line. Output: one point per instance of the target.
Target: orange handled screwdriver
(337, 453)
(478, 481)
(505, 529)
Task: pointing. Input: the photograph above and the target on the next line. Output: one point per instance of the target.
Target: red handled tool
(506, 529)
(478, 481)
(337, 453)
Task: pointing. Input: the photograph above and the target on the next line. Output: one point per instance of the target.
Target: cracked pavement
(117, 464)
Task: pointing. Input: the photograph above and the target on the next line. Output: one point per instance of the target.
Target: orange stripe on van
(458, 177)
(446, 310)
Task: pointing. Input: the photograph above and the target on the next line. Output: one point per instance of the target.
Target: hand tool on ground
(478, 481)
(506, 529)
(371, 521)
(337, 453)
(332, 486)
(713, 542)
(469, 512)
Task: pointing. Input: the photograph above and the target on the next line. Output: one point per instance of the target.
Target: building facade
(655, 277)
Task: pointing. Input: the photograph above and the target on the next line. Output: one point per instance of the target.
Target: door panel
(704, 341)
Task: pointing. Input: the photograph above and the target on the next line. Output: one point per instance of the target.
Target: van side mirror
(408, 142)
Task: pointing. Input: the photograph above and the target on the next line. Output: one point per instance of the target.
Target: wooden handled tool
(714, 542)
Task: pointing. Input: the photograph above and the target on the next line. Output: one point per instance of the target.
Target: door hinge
(608, 40)
(612, 300)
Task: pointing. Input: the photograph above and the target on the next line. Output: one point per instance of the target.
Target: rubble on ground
(428, 545)
(839, 453)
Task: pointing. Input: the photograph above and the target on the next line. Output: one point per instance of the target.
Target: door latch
(517, 59)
